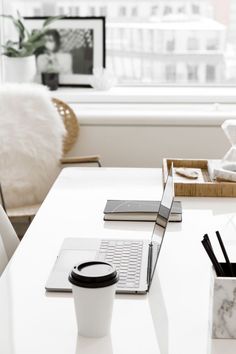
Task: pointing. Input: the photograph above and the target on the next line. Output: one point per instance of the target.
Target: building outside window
(166, 29)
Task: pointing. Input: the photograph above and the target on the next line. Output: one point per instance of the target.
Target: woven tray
(203, 186)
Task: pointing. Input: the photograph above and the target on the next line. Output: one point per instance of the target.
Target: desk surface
(172, 318)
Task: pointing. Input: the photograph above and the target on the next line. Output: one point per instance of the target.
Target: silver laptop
(135, 260)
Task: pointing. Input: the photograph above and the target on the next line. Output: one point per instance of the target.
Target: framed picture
(73, 47)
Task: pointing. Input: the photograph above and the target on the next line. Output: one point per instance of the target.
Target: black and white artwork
(72, 47)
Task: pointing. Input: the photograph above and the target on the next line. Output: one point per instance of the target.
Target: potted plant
(20, 65)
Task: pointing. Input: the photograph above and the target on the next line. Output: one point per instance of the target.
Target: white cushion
(31, 134)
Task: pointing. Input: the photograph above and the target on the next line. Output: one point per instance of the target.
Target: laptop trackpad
(68, 258)
(58, 279)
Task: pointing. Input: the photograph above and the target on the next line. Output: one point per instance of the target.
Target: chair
(72, 128)
(8, 240)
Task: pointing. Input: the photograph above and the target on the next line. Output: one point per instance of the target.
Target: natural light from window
(158, 42)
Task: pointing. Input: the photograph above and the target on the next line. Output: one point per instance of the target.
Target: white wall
(139, 126)
(145, 146)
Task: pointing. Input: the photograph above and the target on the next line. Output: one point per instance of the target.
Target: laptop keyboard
(126, 256)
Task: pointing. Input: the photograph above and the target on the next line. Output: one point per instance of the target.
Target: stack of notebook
(138, 210)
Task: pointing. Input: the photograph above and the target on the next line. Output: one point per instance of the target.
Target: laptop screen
(161, 221)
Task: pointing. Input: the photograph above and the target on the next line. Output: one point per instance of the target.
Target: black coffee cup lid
(93, 274)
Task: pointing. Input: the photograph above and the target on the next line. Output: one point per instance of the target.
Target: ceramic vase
(19, 69)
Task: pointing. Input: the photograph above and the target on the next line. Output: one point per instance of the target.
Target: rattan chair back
(71, 124)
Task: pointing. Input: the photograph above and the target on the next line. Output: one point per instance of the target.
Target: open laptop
(135, 260)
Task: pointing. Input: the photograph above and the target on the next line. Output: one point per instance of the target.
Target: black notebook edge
(132, 215)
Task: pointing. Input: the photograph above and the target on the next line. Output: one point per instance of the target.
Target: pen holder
(224, 304)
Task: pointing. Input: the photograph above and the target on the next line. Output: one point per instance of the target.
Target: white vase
(19, 69)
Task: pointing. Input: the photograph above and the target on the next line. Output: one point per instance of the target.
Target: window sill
(151, 106)
(150, 115)
(158, 94)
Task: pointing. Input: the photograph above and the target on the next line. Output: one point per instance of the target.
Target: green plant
(29, 41)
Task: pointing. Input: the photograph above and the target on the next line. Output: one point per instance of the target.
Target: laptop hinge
(149, 267)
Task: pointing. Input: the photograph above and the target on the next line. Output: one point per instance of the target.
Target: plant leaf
(7, 16)
(35, 36)
(28, 42)
(22, 23)
(34, 45)
(51, 19)
(11, 52)
(10, 43)
(20, 28)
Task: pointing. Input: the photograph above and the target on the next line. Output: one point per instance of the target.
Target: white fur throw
(31, 134)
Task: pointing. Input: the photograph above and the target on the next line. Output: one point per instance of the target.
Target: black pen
(206, 237)
(225, 253)
(216, 265)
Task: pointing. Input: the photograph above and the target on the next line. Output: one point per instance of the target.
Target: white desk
(172, 318)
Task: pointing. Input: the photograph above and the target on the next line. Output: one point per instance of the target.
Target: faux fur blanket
(31, 134)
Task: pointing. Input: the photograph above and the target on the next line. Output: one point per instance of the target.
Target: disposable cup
(93, 287)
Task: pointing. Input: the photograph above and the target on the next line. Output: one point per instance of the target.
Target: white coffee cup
(93, 287)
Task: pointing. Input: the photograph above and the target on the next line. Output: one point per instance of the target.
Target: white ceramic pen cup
(224, 304)
(93, 287)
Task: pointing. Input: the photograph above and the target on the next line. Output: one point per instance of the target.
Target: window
(210, 73)
(167, 10)
(61, 10)
(170, 72)
(181, 10)
(195, 9)
(192, 44)
(134, 11)
(192, 72)
(122, 11)
(170, 45)
(154, 10)
(37, 12)
(92, 11)
(212, 44)
(103, 11)
(73, 11)
(156, 32)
